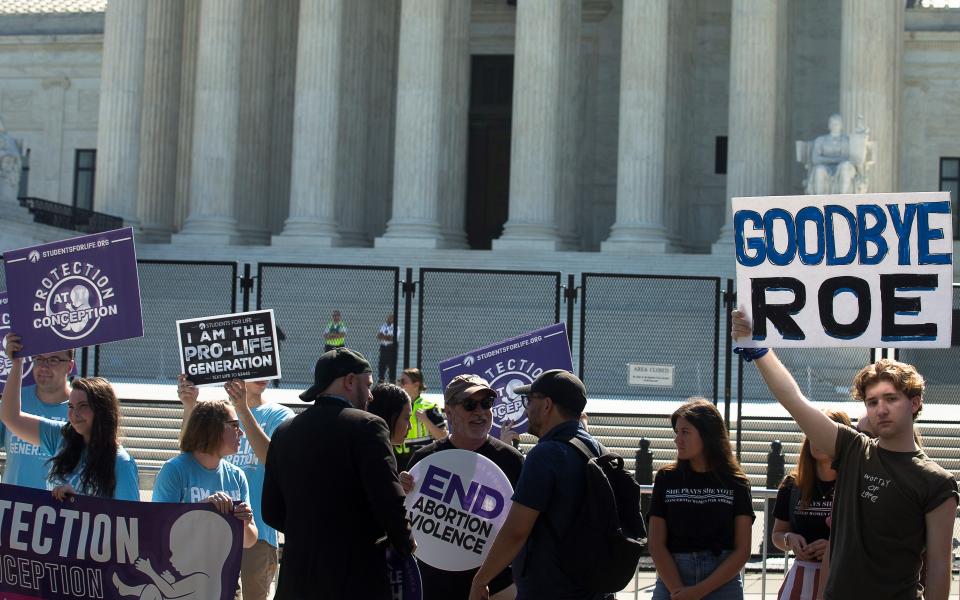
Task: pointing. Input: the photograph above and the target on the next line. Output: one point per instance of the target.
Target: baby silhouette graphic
(199, 565)
(79, 300)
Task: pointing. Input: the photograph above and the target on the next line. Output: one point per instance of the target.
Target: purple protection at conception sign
(73, 293)
(512, 363)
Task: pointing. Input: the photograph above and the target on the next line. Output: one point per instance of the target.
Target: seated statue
(836, 163)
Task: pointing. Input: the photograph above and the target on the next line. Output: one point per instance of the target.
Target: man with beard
(331, 487)
(27, 464)
(468, 401)
(547, 496)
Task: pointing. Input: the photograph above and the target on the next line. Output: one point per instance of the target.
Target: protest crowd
(373, 492)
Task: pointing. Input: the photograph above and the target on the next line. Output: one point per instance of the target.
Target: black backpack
(608, 531)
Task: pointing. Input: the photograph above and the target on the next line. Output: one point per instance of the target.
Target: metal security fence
(303, 298)
(169, 291)
(824, 374)
(460, 310)
(939, 367)
(669, 327)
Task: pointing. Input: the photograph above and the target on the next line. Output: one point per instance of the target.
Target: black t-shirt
(453, 585)
(699, 508)
(808, 520)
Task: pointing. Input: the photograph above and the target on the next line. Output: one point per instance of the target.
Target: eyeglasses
(470, 405)
(525, 398)
(235, 423)
(50, 361)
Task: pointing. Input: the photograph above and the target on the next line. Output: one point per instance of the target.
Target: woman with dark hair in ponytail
(87, 456)
(701, 512)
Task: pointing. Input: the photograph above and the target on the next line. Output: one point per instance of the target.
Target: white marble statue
(837, 163)
(11, 162)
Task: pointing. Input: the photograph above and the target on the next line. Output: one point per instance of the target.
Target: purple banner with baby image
(5, 362)
(72, 293)
(512, 363)
(94, 548)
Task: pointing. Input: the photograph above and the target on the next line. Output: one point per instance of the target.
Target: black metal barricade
(169, 291)
(669, 327)
(304, 297)
(940, 367)
(463, 309)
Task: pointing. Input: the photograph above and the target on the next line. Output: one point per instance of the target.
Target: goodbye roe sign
(458, 504)
(846, 270)
(77, 292)
(224, 347)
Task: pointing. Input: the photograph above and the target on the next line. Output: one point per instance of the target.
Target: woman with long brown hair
(803, 506)
(701, 512)
(87, 456)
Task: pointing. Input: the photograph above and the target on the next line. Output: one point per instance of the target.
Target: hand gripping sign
(224, 347)
(5, 362)
(77, 292)
(865, 270)
(458, 504)
(512, 363)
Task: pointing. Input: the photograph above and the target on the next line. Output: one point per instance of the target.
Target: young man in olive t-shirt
(891, 502)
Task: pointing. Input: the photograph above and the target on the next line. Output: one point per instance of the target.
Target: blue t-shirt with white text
(183, 480)
(125, 469)
(269, 417)
(26, 463)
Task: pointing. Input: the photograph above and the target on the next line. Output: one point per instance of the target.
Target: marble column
(430, 153)
(121, 97)
(545, 80)
(254, 133)
(752, 125)
(55, 91)
(640, 224)
(317, 124)
(160, 122)
(216, 119)
(871, 43)
(188, 80)
(281, 130)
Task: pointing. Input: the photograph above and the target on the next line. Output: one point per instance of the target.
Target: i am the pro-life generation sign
(511, 363)
(224, 347)
(865, 270)
(73, 293)
(459, 501)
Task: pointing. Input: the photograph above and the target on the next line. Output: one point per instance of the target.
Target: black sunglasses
(470, 405)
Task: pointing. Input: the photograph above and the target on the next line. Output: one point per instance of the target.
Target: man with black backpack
(574, 531)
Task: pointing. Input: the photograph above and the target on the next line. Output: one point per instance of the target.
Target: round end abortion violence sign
(459, 501)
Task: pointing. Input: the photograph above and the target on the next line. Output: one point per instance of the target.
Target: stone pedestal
(216, 119)
(121, 96)
(640, 223)
(544, 94)
(752, 141)
(430, 152)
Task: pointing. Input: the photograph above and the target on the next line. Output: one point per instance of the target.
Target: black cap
(331, 366)
(563, 387)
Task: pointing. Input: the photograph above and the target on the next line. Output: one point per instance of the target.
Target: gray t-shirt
(879, 506)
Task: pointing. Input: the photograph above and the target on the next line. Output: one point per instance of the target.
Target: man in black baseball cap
(331, 487)
(548, 494)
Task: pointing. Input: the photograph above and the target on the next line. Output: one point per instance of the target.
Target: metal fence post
(643, 472)
(246, 286)
(570, 295)
(728, 299)
(409, 288)
(775, 472)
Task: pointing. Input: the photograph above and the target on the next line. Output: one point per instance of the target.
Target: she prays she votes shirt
(182, 479)
(808, 520)
(125, 469)
(269, 417)
(27, 464)
(699, 508)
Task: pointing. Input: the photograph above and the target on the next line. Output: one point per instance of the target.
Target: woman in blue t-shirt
(701, 511)
(87, 456)
(200, 474)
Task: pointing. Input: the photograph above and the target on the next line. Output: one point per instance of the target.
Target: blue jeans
(694, 567)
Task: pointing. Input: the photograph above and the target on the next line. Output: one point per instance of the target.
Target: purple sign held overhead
(5, 362)
(512, 363)
(77, 292)
(95, 548)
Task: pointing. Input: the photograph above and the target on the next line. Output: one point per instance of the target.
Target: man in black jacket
(331, 487)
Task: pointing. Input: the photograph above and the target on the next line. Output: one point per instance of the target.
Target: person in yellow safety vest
(426, 420)
(336, 333)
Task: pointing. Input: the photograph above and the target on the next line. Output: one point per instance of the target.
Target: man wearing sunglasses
(26, 463)
(468, 402)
